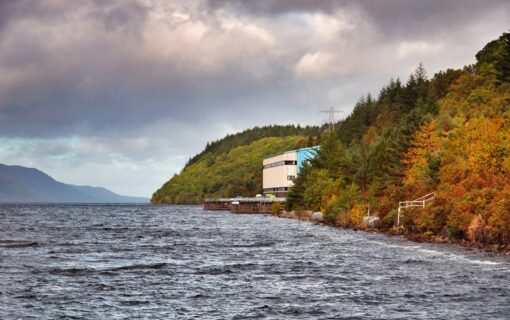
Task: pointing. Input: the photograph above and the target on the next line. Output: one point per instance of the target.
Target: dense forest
(449, 134)
(232, 166)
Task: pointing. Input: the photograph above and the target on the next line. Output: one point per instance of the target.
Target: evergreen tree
(503, 65)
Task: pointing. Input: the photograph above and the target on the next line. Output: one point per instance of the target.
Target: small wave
(29, 296)
(415, 261)
(139, 267)
(108, 271)
(430, 251)
(18, 243)
(71, 271)
(212, 271)
(258, 244)
(456, 257)
(486, 262)
(134, 302)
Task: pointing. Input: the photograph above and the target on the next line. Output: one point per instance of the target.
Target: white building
(280, 171)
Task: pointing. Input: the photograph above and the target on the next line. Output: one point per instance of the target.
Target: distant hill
(232, 166)
(21, 184)
(248, 136)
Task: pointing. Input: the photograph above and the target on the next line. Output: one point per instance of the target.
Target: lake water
(170, 262)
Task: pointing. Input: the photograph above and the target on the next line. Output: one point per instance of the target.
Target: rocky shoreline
(496, 249)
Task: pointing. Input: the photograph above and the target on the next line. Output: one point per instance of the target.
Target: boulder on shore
(371, 221)
(316, 216)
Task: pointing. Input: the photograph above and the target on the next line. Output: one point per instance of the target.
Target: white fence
(421, 202)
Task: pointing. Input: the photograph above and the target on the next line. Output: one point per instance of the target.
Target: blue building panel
(305, 154)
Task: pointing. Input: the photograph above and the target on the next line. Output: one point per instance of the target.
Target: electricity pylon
(331, 120)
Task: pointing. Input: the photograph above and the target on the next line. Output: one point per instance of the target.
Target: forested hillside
(246, 137)
(232, 166)
(449, 134)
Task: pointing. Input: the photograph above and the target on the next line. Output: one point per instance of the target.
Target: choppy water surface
(180, 262)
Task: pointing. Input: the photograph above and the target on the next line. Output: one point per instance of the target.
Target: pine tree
(503, 65)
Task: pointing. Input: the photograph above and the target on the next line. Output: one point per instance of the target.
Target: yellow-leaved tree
(422, 158)
(475, 178)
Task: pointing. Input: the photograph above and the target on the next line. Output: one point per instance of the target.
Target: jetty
(242, 205)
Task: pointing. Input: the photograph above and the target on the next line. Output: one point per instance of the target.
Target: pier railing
(257, 199)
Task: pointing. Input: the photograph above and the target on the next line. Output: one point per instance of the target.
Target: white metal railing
(218, 199)
(420, 202)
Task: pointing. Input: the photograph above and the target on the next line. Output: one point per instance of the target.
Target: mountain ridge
(20, 184)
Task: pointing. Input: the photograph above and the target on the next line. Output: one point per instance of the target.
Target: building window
(291, 178)
(280, 163)
(276, 190)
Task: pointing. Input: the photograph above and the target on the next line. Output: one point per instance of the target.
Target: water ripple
(167, 262)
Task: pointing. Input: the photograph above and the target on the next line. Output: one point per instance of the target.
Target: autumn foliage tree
(422, 158)
(475, 178)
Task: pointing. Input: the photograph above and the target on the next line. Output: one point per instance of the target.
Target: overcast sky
(121, 93)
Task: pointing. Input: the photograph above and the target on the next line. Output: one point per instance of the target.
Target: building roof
(292, 151)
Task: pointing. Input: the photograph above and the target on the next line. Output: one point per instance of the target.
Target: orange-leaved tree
(474, 176)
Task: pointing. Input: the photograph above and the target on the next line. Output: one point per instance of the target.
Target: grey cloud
(147, 83)
(84, 67)
(106, 78)
(391, 17)
(276, 7)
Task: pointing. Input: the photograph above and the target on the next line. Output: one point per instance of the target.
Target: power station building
(280, 171)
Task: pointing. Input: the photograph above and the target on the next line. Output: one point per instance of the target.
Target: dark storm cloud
(391, 17)
(387, 11)
(112, 13)
(55, 81)
(78, 68)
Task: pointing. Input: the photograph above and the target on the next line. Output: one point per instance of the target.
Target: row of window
(276, 189)
(280, 163)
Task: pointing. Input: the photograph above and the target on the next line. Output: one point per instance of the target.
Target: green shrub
(455, 234)
(390, 220)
